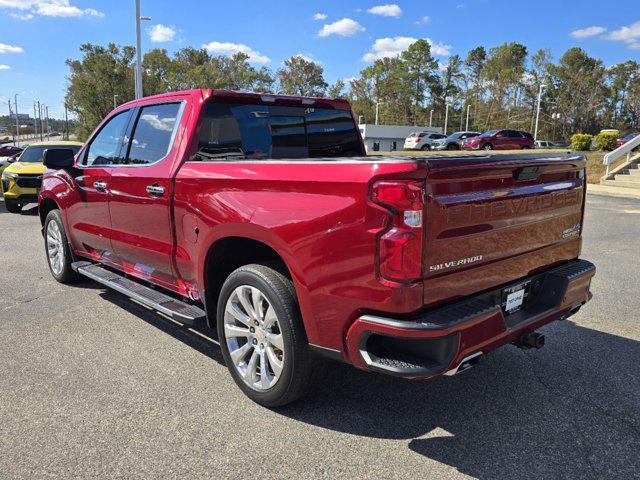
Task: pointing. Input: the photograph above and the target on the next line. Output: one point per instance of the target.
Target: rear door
(140, 192)
(88, 217)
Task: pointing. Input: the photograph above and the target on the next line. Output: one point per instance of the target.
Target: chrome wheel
(253, 337)
(55, 247)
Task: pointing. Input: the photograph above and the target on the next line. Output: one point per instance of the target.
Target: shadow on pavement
(567, 411)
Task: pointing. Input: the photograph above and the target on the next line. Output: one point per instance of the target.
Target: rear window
(266, 131)
(490, 133)
(34, 154)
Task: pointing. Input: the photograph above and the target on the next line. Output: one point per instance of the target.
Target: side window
(105, 146)
(153, 134)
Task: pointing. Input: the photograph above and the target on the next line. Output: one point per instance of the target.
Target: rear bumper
(439, 340)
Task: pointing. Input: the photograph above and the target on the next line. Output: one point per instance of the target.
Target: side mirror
(13, 158)
(58, 158)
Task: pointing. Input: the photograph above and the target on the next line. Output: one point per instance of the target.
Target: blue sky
(37, 36)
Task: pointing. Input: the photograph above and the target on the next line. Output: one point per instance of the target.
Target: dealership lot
(92, 384)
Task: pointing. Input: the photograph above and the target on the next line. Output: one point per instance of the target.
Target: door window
(105, 146)
(153, 134)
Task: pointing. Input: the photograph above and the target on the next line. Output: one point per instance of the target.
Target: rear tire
(57, 249)
(12, 206)
(426, 148)
(452, 146)
(487, 146)
(526, 148)
(262, 338)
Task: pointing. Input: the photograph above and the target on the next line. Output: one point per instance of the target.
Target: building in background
(389, 138)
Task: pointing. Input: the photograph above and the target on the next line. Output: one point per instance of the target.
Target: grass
(595, 167)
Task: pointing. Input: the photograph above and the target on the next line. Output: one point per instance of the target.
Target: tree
(301, 77)
(93, 81)
(421, 73)
(578, 89)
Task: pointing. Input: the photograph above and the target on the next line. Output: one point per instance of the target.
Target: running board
(180, 311)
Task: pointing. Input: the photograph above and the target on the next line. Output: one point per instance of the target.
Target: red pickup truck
(260, 217)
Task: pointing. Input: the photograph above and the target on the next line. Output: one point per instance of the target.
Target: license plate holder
(514, 298)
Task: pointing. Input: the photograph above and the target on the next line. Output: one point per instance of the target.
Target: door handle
(100, 185)
(155, 190)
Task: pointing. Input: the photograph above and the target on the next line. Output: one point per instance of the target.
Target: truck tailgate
(492, 220)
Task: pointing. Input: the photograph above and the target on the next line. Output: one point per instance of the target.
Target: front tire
(426, 148)
(452, 146)
(488, 146)
(57, 249)
(262, 338)
(12, 206)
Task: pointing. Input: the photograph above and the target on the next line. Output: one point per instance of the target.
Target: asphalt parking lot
(92, 385)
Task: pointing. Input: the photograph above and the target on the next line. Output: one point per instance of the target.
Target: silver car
(422, 140)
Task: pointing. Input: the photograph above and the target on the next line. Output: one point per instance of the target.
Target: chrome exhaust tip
(465, 364)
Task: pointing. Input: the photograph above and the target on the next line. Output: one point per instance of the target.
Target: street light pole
(138, 71)
(377, 111)
(467, 125)
(446, 117)
(138, 77)
(535, 132)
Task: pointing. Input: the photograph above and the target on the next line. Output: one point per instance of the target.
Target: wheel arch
(226, 254)
(46, 205)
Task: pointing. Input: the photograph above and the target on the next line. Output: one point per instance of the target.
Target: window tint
(105, 146)
(151, 139)
(261, 131)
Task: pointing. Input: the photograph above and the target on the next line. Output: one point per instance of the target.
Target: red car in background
(627, 138)
(500, 140)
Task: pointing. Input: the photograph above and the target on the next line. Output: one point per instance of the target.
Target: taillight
(400, 247)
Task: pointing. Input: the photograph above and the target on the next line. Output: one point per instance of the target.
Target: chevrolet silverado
(260, 217)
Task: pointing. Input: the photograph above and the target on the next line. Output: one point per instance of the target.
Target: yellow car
(22, 179)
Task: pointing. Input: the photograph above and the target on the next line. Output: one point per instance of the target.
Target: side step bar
(180, 311)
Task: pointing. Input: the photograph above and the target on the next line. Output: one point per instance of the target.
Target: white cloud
(48, 8)
(161, 33)
(344, 27)
(4, 48)
(320, 16)
(425, 19)
(634, 46)
(389, 10)
(5, 67)
(627, 34)
(230, 49)
(587, 32)
(21, 16)
(392, 47)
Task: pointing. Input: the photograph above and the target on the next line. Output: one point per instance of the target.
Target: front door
(140, 195)
(88, 216)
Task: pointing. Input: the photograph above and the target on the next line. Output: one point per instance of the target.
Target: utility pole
(446, 117)
(41, 124)
(535, 133)
(66, 122)
(17, 121)
(430, 117)
(467, 126)
(47, 119)
(35, 119)
(11, 115)
(377, 111)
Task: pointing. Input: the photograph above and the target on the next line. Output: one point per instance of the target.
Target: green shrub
(606, 141)
(581, 142)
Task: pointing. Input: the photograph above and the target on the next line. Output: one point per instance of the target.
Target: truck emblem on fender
(455, 263)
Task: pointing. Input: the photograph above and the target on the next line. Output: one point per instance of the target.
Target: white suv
(422, 140)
